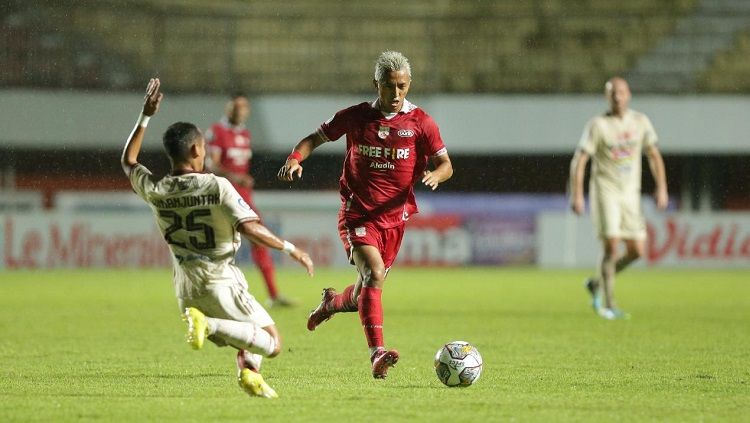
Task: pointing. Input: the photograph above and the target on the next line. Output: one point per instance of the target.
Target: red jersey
(384, 158)
(234, 144)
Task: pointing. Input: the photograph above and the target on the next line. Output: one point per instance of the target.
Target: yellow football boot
(253, 383)
(197, 327)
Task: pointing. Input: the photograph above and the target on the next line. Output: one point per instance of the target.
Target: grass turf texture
(109, 345)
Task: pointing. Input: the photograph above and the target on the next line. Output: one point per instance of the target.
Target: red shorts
(387, 241)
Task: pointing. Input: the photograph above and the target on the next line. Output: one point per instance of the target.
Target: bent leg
(246, 336)
(634, 249)
(608, 265)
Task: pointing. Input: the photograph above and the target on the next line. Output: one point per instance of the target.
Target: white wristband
(288, 247)
(143, 120)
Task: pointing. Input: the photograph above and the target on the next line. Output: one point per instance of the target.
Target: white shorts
(618, 216)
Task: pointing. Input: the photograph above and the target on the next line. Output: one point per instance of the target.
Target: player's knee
(375, 276)
(276, 349)
(635, 254)
(609, 256)
(610, 249)
(378, 274)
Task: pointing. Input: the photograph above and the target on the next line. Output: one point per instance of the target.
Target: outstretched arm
(443, 171)
(577, 171)
(151, 103)
(656, 163)
(301, 151)
(259, 234)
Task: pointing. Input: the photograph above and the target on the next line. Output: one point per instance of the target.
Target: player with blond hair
(389, 144)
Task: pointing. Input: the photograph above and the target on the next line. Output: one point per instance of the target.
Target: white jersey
(198, 215)
(615, 146)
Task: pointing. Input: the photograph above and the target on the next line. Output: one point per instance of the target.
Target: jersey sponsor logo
(383, 132)
(378, 152)
(243, 203)
(405, 133)
(241, 140)
(622, 152)
(360, 231)
(385, 165)
(239, 156)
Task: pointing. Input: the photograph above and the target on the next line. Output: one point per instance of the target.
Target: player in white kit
(615, 142)
(201, 217)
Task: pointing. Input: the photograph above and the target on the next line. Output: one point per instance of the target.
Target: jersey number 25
(190, 225)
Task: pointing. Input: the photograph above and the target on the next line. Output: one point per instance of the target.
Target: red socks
(263, 260)
(371, 315)
(344, 301)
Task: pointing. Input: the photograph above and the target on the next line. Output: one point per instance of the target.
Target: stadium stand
(701, 53)
(542, 46)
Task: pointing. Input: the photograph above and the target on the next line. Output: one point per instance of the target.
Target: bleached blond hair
(391, 61)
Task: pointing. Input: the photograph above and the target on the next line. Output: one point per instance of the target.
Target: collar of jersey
(406, 108)
(180, 172)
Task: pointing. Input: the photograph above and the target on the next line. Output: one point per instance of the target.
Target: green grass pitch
(109, 345)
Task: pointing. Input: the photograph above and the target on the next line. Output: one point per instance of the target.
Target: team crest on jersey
(383, 132)
(361, 231)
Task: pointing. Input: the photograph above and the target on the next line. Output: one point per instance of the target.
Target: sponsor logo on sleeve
(243, 204)
(360, 231)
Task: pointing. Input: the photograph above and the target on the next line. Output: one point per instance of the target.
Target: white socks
(252, 360)
(242, 335)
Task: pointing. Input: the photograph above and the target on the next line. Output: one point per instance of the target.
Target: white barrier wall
(453, 230)
(41, 240)
(60, 239)
(470, 124)
(679, 240)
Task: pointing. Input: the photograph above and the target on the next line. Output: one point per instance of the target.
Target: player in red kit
(389, 144)
(230, 152)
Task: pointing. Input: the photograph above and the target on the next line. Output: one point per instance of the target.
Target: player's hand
(153, 97)
(304, 259)
(577, 205)
(430, 180)
(662, 199)
(289, 170)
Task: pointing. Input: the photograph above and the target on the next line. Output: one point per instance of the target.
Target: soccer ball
(458, 363)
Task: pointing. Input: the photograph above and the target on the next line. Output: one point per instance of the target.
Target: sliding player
(201, 217)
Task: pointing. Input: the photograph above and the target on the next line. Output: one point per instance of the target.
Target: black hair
(237, 94)
(178, 139)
